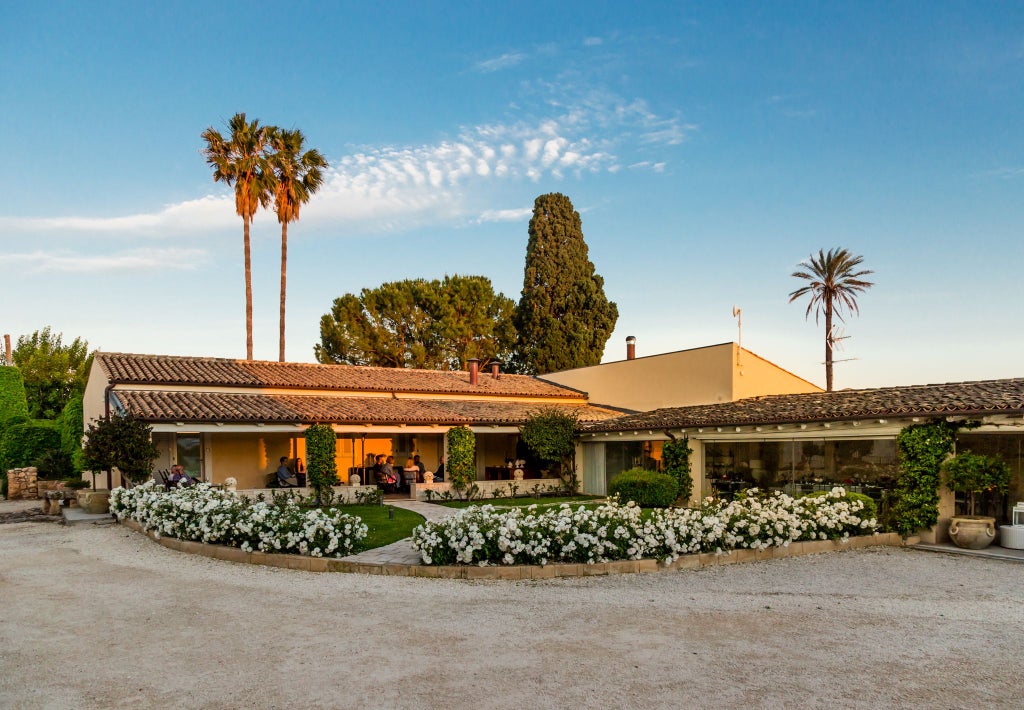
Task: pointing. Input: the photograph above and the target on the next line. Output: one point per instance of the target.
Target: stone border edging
(513, 572)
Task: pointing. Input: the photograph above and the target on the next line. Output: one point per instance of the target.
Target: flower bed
(483, 535)
(210, 515)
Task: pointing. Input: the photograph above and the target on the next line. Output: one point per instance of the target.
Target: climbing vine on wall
(676, 456)
(922, 448)
(321, 467)
(461, 457)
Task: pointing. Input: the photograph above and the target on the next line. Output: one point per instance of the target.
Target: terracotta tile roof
(985, 397)
(211, 407)
(130, 369)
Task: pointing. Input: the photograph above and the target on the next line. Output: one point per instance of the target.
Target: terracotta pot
(972, 532)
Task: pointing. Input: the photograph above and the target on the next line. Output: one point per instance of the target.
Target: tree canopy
(52, 371)
(564, 318)
(121, 442)
(438, 324)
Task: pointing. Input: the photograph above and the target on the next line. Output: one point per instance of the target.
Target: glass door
(189, 453)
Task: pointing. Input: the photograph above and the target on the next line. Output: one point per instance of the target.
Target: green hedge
(676, 455)
(461, 466)
(921, 449)
(321, 464)
(870, 507)
(22, 444)
(13, 402)
(648, 489)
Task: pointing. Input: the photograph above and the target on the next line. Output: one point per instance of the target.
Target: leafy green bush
(870, 510)
(13, 402)
(915, 500)
(75, 483)
(54, 465)
(648, 489)
(976, 474)
(321, 466)
(122, 442)
(461, 466)
(22, 444)
(550, 435)
(71, 430)
(676, 456)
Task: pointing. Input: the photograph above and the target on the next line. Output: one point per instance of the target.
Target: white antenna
(836, 336)
(737, 313)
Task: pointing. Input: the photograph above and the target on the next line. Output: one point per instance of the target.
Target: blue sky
(708, 147)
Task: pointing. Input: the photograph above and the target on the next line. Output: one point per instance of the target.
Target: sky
(709, 148)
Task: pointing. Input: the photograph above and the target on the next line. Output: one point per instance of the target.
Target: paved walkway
(994, 552)
(401, 552)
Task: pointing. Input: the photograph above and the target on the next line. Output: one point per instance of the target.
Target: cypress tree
(564, 318)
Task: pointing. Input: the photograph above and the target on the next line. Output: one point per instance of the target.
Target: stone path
(401, 552)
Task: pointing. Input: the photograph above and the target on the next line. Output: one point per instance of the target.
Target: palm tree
(241, 160)
(298, 175)
(833, 284)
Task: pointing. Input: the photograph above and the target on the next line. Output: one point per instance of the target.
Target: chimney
(495, 369)
(631, 347)
(474, 371)
(7, 349)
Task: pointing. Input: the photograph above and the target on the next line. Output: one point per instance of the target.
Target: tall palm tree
(298, 175)
(833, 284)
(241, 161)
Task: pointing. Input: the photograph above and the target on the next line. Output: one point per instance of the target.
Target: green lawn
(382, 530)
(524, 502)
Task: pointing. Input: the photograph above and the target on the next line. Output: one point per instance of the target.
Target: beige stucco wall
(92, 401)
(754, 376)
(717, 373)
(698, 376)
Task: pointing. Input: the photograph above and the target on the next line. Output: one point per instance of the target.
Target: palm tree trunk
(248, 291)
(284, 276)
(828, 346)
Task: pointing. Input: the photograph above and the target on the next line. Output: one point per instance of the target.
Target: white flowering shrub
(219, 517)
(483, 535)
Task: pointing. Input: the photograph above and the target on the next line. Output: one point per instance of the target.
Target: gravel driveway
(99, 617)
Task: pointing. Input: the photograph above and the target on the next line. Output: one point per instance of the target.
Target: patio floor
(993, 552)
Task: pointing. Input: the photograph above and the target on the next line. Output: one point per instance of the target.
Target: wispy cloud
(558, 134)
(505, 61)
(592, 42)
(130, 260)
(513, 215)
(1009, 172)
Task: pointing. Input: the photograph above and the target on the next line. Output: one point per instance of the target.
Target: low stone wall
(704, 559)
(22, 483)
(487, 488)
(344, 494)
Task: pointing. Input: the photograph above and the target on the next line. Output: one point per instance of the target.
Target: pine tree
(564, 318)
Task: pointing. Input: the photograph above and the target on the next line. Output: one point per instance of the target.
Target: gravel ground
(100, 617)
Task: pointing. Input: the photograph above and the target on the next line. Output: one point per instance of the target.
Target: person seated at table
(285, 477)
(420, 467)
(179, 477)
(410, 471)
(387, 471)
(439, 473)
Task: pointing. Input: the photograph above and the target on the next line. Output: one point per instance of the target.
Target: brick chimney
(474, 371)
(631, 347)
(495, 369)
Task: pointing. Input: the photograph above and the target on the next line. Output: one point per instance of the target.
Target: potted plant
(974, 475)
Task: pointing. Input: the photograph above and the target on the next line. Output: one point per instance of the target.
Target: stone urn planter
(94, 502)
(972, 532)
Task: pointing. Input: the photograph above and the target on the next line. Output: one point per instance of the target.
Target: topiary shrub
(648, 489)
(870, 509)
(676, 456)
(13, 402)
(461, 467)
(321, 465)
(71, 430)
(22, 444)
